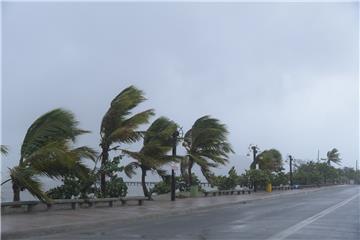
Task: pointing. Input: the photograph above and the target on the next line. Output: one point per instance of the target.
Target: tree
(333, 156)
(206, 145)
(270, 160)
(119, 126)
(152, 156)
(46, 150)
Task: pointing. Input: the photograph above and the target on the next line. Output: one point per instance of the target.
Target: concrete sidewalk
(39, 223)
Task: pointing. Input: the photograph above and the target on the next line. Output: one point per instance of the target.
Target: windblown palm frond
(4, 149)
(25, 177)
(47, 150)
(118, 125)
(56, 125)
(157, 143)
(206, 145)
(333, 156)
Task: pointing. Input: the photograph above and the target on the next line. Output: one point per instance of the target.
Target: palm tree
(157, 143)
(46, 150)
(119, 126)
(206, 145)
(333, 156)
(4, 150)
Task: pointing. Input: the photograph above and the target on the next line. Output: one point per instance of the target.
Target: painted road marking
(291, 230)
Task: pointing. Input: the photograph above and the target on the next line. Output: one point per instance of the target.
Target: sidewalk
(39, 223)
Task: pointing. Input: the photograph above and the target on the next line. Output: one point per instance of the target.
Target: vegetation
(333, 156)
(86, 187)
(181, 184)
(4, 150)
(227, 182)
(153, 155)
(47, 151)
(118, 126)
(206, 145)
(316, 173)
(270, 160)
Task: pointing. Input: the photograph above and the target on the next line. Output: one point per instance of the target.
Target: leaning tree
(206, 145)
(120, 126)
(153, 154)
(47, 151)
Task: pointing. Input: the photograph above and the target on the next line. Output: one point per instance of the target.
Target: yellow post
(269, 187)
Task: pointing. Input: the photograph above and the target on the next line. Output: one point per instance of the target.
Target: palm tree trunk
(104, 160)
(16, 192)
(143, 175)
(189, 171)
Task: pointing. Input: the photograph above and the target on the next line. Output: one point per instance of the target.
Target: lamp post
(174, 138)
(255, 150)
(291, 173)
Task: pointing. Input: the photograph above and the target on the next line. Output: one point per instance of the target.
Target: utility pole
(174, 138)
(291, 173)
(318, 157)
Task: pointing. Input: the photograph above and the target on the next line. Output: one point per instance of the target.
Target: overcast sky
(279, 75)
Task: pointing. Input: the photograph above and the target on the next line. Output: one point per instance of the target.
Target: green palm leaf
(153, 154)
(24, 177)
(56, 125)
(4, 149)
(206, 145)
(46, 150)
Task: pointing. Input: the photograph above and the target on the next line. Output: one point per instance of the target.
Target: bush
(161, 188)
(72, 187)
(279, 178)
(258, 177)
(227, 182)
(116, 187)
(181, 185)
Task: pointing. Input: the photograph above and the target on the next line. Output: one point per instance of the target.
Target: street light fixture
(255, 150)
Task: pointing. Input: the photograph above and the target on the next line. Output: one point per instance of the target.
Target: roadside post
(175, 137)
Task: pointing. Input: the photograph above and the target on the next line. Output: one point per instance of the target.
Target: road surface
(332, 213)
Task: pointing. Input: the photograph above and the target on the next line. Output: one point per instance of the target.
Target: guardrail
(74, 203)
(227, 192)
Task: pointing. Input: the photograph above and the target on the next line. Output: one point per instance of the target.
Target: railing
(228, 192)
(135, 183)
(74, 203)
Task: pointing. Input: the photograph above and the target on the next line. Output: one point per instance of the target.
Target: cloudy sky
(280, 75)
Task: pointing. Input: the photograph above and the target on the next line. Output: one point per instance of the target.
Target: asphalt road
(325, 214)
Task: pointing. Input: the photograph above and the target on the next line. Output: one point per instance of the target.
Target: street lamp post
(174, 138)
(291, 173)
(255, 150)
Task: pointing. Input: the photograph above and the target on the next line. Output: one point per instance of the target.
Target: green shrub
(227, 182)
(116, 187)
(181, 185)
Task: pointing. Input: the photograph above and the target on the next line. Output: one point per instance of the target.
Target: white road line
(291, 230)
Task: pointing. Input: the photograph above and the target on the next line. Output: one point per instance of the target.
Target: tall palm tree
(333, 156)
(152, 156)
(46, 150)
(206, 145)
(120, 126)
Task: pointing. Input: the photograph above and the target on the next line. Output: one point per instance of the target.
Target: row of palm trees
(48, 147)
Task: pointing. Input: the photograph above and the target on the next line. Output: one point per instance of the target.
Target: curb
(69, 227)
